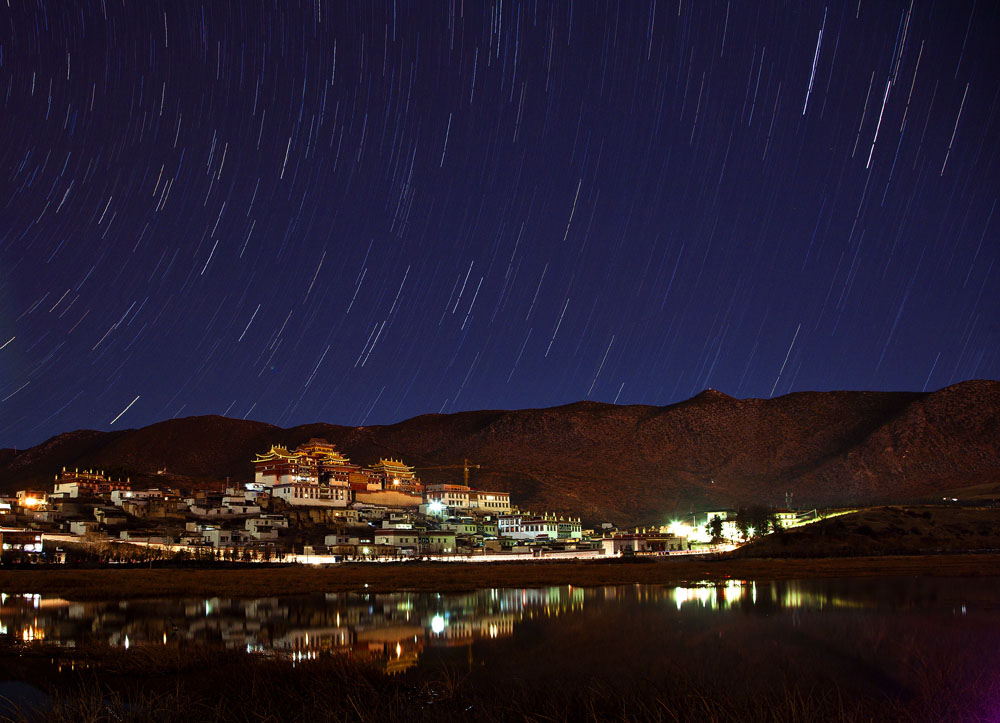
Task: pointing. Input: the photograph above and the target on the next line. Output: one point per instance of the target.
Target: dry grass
(112, 584)
(203, 684)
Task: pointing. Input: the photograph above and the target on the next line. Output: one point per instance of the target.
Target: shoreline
(131, 584)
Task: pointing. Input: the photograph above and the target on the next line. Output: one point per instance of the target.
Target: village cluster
(313, 502)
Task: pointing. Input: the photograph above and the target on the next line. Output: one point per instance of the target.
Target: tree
(755, 521)
(714, 528)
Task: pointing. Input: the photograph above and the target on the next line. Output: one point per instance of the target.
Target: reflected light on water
(393, 629)
(740, 593)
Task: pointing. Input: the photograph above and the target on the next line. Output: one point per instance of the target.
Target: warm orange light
(31, 502)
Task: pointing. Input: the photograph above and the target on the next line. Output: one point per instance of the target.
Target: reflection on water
(397, 628)
(744, 593)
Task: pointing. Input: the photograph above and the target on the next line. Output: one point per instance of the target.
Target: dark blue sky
(360, 212)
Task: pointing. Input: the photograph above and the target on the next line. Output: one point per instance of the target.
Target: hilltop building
(278, 466)
(85, 484)
(398, 476)
(316, 474)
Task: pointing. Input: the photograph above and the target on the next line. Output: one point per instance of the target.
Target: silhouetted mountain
(624, 463)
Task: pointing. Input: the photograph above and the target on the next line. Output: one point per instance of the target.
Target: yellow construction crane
(465, 467)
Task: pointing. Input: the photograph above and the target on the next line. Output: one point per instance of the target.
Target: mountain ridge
(628, 463)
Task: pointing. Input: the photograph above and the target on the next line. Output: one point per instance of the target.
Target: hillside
(885, 531)
(630, 464)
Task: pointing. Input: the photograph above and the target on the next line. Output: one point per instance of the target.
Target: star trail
(357, 212)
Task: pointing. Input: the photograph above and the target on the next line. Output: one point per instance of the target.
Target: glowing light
(680, 529)
(437, 624)
(435, 507)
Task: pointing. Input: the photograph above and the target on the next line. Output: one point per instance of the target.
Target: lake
(891, 638)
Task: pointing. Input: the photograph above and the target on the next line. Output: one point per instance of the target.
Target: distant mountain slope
(631, 464)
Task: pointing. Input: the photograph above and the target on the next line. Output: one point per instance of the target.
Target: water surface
(893, 637)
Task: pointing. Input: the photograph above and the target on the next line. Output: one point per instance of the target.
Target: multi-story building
(451, 497)
(365, 480)
(303, 494)
(398, 476)
(495, 503)
(570, 528)
(639, 543)
(464, 526)
(316, 474)
(729, 530)
(31, 499)
(325, 453)
(403, 541)
(436, 541)
(532, 527)
(118, 497)
(218, 537)
(261, 529)
(278, 466)
(19, 540)
(85, 484)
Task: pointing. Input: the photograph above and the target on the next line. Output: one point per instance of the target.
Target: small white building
(402, 540)
(110, 516)
(437, 541)
(729, 529)
(464, 526)
(66, 489)
(253, 490)
(217, 537)
(337, 539)
(144, 538)
(277, 521)
(259, 529)
(392, 524)
(118, 497)
(82, 527)
(206, 510)
(239, 510)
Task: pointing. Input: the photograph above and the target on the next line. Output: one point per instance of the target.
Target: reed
(197, 683)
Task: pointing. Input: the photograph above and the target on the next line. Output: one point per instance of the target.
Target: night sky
(357, 212)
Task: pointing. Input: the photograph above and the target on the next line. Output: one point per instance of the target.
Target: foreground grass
(119, 584)
(187, 684)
